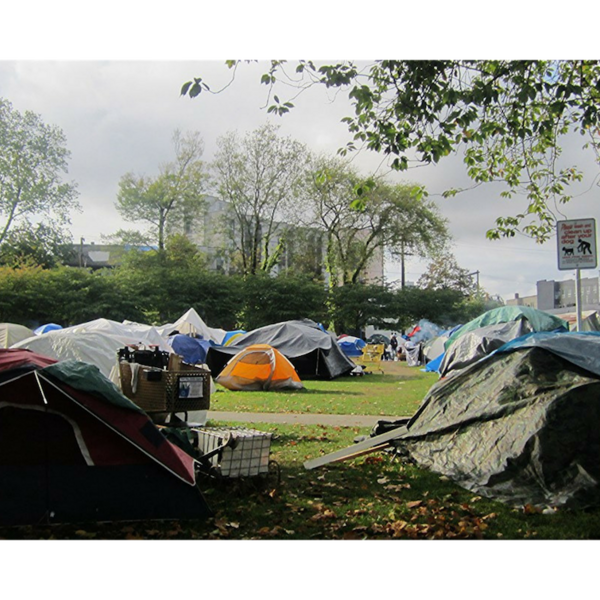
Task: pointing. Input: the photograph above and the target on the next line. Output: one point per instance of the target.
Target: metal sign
(576, 244)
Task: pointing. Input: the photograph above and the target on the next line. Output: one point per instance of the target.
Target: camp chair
(372, 354)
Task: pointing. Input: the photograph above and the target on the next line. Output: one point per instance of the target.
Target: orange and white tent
(259, 367)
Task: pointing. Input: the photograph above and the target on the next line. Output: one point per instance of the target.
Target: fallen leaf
(414, 503)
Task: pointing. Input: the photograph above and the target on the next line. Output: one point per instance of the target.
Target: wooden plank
(351, 451)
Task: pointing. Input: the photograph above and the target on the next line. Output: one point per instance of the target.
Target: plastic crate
(247, 456)
(159, 390)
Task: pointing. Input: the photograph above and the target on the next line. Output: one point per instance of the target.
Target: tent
(96, 342)
(191, 323)
(538, 320)
(486, 333)
(259, 367)
(478, 343)
(73, 448)
(231, 336)
(46, 328)
(351, 346)
(11, 333)
(313, 352)
(520, 426)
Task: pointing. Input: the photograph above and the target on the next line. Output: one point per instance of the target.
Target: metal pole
(578, 297)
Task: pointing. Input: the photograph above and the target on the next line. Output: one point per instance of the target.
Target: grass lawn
(397, 392)
(375, 496)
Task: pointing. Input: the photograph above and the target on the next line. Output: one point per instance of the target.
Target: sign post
(576, 246)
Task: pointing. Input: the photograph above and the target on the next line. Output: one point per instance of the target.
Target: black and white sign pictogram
(576, 244)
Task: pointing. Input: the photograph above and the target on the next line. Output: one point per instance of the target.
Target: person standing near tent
(394, 345)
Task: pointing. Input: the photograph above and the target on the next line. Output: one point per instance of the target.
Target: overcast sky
(118, 115)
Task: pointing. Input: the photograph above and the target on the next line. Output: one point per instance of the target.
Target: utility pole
(81, 251)
(477, 274)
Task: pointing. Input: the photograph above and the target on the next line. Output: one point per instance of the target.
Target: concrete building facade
(559, 296)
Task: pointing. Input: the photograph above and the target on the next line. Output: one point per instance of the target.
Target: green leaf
(185, 87)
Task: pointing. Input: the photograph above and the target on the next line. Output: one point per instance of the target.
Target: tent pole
(578, 297)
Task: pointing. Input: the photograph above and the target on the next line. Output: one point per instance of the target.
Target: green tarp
(85, 377)
(538, 319)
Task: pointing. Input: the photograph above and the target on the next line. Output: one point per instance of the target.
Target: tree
(166, 284)
(445, 307)
(354, 306)
(172, 200)
(443, 272)
(266, 300)
(259, 177)
(33, 157)
(509, 118)
(394, 218)
(37, 245)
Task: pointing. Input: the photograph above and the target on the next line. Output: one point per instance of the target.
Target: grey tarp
(478, 343)
(312, 351)
(538, 319)
(520, 426)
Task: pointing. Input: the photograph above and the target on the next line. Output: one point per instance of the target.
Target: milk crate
(246, 455)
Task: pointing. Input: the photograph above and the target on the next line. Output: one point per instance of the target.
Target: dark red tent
(72, 448)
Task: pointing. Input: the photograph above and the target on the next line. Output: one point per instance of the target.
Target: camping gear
(478, 343)
(351, 346)
(46, 328)
(12, 333)
(192, 324)
(172, 388)
(520, 426)
(144, 356)
(73, 448)
(233, 452)
(96, 342)
(313, 352)
(231, 336)
(259, 367)
(378, 338)
(538, 320)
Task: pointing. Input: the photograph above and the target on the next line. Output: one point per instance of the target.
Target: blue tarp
(579, 348)
(351, 346)
(192, 350)
(433, 366)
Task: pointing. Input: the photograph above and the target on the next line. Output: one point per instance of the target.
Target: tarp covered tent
(94, 346)
(351, 346)
(313, 352)
(191, 323)
(73, 448)
(478, 343)
(520, 426)
(134, 333)
(538, 320)
(259, 367)
(436, 346)
(12, 333)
